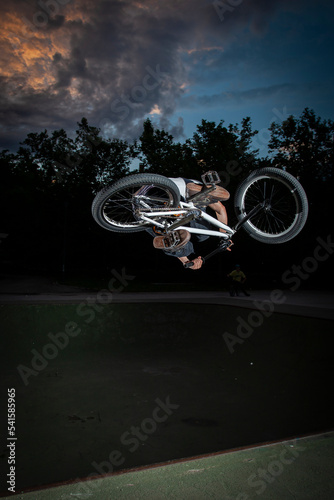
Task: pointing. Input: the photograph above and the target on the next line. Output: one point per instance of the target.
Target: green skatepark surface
(101, 389)
(293, 470)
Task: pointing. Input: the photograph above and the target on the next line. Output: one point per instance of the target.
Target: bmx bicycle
(270, 205)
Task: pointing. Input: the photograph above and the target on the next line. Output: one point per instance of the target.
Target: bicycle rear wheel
(286, 206)
(114, 208)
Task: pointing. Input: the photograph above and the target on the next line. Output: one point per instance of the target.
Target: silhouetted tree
(225, 149)
(158, 153)
(46, 188)
(49, 185)
(212, 147)
(304, 146)
(97, 161)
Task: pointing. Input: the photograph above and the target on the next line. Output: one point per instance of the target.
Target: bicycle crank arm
(202, 194)
(192, 215)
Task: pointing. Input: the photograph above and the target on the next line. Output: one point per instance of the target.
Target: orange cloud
(26, 53)
(204, 49)
(155, 110)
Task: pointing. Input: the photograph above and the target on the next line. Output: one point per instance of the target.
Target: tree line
(47, 186)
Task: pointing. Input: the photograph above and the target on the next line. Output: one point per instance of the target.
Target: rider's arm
(221, 213)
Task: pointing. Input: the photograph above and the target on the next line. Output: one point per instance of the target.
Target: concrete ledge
(311, 304)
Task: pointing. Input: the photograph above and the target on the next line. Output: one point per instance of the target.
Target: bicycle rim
(282, 206)
(119, 209)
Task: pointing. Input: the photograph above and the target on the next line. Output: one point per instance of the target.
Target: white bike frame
(186, 208)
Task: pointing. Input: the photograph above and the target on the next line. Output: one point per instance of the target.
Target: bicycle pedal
(171, 240)
(210, 177)
(226, 245)
(229, 244)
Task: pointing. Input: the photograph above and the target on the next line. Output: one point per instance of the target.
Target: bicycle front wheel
(286, 207)
(114, 208)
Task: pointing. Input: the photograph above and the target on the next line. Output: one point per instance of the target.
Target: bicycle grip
(188, 264)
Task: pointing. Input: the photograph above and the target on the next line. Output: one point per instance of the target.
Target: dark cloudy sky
(117, 62)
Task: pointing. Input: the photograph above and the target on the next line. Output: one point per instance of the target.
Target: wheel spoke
(120, 208)
(279, 215)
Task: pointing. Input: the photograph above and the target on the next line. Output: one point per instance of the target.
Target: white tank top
(182, 186)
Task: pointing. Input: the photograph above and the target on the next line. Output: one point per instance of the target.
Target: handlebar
(221, 248)
(191, 263)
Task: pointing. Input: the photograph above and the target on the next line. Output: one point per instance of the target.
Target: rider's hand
(198, 262)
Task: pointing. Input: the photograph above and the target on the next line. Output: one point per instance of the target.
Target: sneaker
(172, 241)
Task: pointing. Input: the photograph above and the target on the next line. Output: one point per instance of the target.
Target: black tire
(286, 213)
(113, 207)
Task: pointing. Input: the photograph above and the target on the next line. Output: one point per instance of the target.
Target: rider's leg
(217, 206)
(216, 196)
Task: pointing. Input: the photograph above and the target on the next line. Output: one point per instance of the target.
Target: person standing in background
(238, 278)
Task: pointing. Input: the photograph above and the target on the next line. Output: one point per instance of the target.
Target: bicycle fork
(251, 214)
